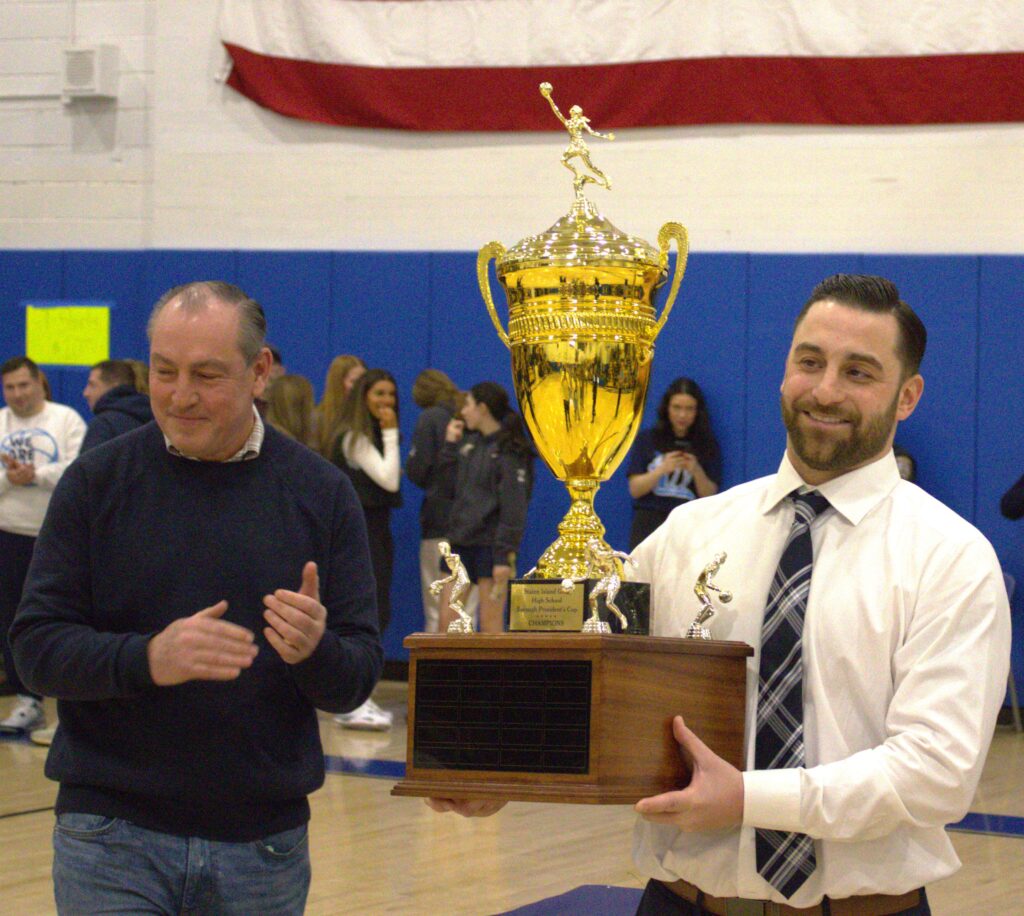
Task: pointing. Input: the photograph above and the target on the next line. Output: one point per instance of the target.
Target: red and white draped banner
(476, 64)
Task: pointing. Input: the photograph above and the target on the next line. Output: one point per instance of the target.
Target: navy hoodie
(119, 411)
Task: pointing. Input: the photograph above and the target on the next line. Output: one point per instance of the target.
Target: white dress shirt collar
(853, 495)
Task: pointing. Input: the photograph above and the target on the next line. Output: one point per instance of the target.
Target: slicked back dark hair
(20, 362)
(252, 323)
(880, 296)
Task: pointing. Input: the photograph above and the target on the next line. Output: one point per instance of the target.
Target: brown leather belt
(868, 905)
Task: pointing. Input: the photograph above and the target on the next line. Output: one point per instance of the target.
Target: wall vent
(90, 72)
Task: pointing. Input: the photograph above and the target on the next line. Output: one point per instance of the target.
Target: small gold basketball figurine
(701, 588)
(605, 565)
(460, 587)
(576, 124)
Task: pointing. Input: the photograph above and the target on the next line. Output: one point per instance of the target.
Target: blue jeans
(107, 865)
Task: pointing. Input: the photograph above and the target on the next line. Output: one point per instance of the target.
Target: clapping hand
(296, 620)
(200, 648)
(19, 473)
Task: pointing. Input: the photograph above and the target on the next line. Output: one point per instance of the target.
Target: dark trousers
(15, 556)
(658, 900)
(382, 558)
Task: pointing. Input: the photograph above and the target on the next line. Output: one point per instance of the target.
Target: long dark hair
(700, 436)
(513, 435)
(355, 415)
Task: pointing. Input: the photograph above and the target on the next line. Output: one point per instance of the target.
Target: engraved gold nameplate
(552, 606)
(543, 605)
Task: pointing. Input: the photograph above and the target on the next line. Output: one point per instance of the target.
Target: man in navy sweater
(200, 587)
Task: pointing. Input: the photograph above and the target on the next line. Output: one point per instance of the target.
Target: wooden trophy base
(578, 718)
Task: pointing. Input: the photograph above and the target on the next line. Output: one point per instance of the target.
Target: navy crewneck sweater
(136, 538)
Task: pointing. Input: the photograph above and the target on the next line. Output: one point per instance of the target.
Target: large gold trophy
(581, 328)
(581, 717)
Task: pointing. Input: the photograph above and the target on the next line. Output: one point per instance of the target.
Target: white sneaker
(43, 736)
(27, 715)
(368, 718)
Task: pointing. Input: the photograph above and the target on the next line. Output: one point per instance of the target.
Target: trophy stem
(566, 558)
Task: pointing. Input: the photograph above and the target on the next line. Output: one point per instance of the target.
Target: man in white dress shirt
(905, 643)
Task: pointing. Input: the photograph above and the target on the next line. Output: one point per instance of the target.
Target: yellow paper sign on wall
(67, 335)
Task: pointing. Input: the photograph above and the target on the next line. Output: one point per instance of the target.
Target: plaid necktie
(786, 860)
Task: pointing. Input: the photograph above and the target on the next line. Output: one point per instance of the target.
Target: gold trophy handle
(668, 232)
(492, 250)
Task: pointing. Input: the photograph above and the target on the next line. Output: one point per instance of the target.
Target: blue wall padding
(945, 291)
(998, 417)
(730, 329)
(295, 290)
(25, 275)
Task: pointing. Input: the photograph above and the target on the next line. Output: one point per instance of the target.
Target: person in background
(277, 369)
(905, 462)
(277, 366)
(675, 461)
(290, 408)
(1012, 503)
(342, 375)
(200, 587)
(140, 371)
(366, 448)
(117, 406)
(487, 470)
(440, 400)
(38, 440)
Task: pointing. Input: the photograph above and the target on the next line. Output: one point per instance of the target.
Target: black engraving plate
(502, 715)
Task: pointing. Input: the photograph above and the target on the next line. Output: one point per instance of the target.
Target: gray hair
(252, 323)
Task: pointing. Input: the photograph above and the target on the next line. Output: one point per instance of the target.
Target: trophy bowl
(581, 331)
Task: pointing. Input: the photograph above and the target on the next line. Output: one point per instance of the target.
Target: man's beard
(864, 441)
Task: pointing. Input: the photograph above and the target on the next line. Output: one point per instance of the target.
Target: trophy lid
(581, 238)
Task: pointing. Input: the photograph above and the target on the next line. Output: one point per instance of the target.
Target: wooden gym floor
(373, 853)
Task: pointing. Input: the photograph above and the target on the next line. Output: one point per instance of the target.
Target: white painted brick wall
(77, 175)
(182, 161)
(24, 20)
